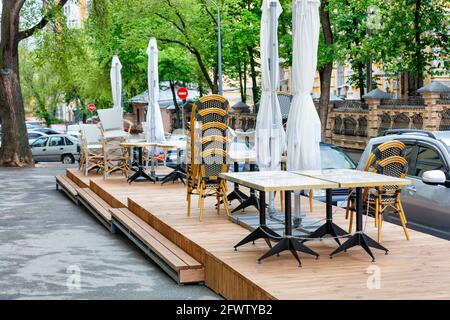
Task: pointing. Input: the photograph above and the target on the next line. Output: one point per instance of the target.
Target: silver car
(55, 148)
(427, 200)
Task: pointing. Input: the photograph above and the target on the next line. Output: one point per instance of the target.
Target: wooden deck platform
(416, 269)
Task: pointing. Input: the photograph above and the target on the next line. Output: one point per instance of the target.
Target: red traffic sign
(182, 93)
(92, 107)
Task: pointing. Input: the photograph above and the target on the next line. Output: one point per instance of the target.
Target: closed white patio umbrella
(303, 126)
(116, 82)
(270, 135)
(154, 120)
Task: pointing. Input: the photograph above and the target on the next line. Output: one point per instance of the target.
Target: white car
(34, 135)
(55, 148)
(74, 130)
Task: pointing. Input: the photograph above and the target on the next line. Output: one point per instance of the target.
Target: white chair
(113, 132)
(92, 149)
(111, 122)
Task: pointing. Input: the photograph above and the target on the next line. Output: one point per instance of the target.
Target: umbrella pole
(273, 76)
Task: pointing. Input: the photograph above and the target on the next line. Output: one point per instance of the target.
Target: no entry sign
(92, 107)
(182, 93)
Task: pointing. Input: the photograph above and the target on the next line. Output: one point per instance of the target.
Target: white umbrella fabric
(155, 126)
(303, 126)
(270, 135)
(116, 82)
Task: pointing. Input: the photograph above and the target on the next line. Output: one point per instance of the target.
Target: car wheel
(68, 159)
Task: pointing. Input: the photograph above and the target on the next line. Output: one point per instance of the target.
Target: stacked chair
(91, 148)
(207, 155)
(388, 159)
(115, 157)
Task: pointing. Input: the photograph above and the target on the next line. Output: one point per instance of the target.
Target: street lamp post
(219, 46)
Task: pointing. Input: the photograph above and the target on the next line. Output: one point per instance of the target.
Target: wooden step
(68, 186)
(96, 205)
(180, 265)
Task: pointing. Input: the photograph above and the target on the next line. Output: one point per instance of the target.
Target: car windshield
(334, 158)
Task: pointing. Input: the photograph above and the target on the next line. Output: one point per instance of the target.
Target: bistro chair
(195, 134)
(208, 131)
(91, 148)
(386, 199)
(116, 158)
(382, 152)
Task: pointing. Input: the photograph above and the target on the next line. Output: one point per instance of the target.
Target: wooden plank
(191, 262)
(77, 177)
(68, 184)
(97, 188)
(98, 204)
(168, 256)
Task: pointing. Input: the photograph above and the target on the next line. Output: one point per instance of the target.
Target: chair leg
(350, 222)
(201, 204)
(402, 212)
(402, 219)
(225, 203)
(218, 203)
(311, 195)
(347, 210)
(380, 222)
(189, 204)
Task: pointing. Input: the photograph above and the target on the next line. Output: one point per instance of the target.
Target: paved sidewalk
(52, 249)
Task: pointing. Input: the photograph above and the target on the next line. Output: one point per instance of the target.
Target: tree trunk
(215, 88)
(418, 76)
(15, 150)
(253, 75)
(326, 70)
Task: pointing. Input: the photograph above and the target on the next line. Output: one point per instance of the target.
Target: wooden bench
(96, 205)
(172, 259)
(69, 187)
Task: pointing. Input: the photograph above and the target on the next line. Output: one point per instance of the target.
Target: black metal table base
(236, 194)
(252, 200)
(363, 240)
(288, 242)
(175, 175)
(262, 232)
(291, 244)
(329, 228)
(360, 238)
(140, 173)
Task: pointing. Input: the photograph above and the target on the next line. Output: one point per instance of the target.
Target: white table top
(138, 143)
(276, 181)
(347, 178)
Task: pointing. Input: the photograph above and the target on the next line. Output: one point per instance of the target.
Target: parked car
(54, 148)
(34, 135)
(74, 130)
(427, 200)
(333, 157)
(47, 131)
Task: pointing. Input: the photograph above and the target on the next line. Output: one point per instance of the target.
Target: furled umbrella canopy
(303, 126)
(154, 120)
(270, 135)
(116, 82)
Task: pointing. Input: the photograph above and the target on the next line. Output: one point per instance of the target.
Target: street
(52, 249)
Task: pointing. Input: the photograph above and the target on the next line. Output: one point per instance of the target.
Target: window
(33, 135)
(40, 143)
(56, 141)
(409, 155)
(68, 142)
(334, 158)
(427, 159)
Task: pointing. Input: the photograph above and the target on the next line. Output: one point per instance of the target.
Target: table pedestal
(252, 200)
(288, 242)
(236, 194)
(140, 170)
(262, 232)
(360, 238)
(329, 228)
(177, 173)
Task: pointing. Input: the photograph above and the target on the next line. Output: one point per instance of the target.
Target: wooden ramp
(416, 269)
